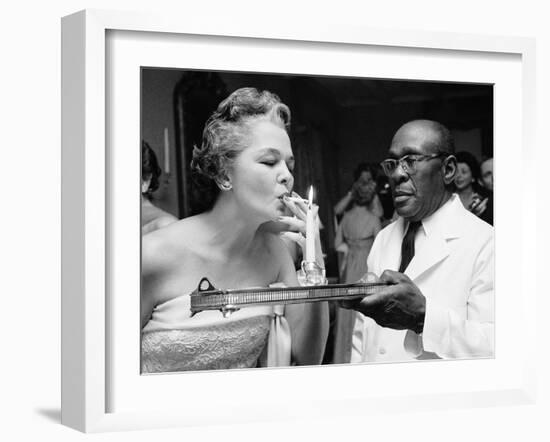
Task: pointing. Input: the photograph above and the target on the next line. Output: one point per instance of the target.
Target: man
(486, 182)
(437, 260)
(487, 174)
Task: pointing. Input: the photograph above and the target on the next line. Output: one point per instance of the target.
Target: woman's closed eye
(274, 162)
(270, 163)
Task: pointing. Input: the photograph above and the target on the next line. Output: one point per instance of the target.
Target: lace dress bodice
(174, 341)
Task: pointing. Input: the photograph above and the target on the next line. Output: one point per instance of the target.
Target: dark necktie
(407, 246)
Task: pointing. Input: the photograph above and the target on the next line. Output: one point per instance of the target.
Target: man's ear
(449, 169)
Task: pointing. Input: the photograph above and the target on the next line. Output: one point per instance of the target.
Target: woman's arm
(308, 322)
(151, 275)
(343, 204)
(339, 239)
(376, 206)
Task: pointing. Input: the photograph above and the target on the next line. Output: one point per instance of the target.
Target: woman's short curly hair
(225, 135)
(365, 167)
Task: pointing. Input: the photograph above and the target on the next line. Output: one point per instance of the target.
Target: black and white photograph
(300, 220)
(310, 254)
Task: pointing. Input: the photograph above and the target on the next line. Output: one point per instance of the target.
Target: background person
(468, 188)
(350, 199)
(243, 169)
(437, 259)
(487, 174)
(359, 225)
(152, 218)
(354, 238)
(486, 182)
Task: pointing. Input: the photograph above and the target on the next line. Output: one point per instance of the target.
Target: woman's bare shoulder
(158, 223)
(166, 257)
(161, 247)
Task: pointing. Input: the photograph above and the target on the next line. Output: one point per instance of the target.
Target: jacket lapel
(435, 250)
(439, 229)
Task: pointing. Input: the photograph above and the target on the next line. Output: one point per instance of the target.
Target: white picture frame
(87, 206)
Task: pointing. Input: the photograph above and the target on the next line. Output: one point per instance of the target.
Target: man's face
(487, 173)
(418, 195)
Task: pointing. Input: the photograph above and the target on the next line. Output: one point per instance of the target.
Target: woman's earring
(226, 185)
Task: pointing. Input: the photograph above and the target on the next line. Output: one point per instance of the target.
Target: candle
(310, 229)
(166, 152)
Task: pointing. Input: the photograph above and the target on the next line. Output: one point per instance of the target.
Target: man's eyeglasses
(407, 162)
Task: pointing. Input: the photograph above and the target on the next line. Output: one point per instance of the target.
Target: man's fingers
(365, 301)
(350, 304)
(393, 277)
(368, 305)
(369, 277)
(373, 300)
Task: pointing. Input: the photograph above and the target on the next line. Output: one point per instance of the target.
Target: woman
(354, 238)
(467, 185)
(359, 225)
(244, 170)
(152, 218)
(349, 199)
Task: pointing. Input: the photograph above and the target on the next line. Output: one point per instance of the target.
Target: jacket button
(382, 350)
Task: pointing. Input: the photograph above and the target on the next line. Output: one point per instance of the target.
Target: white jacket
(453, 267)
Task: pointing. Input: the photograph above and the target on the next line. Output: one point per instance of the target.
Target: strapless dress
(172, 340)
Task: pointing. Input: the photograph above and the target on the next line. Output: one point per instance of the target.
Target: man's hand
(400, 305)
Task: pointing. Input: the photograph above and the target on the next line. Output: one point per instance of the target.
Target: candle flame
(310, 199)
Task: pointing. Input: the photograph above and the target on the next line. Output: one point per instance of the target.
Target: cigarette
(297, 199)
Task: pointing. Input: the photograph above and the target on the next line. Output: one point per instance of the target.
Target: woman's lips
(283, 196)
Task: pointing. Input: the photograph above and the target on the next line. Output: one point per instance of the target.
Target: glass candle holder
(311, 274)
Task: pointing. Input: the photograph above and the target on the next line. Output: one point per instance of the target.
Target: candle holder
(311, 274)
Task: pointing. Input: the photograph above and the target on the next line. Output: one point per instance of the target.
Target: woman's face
(262, 173)
(463, 177)
(364, 188)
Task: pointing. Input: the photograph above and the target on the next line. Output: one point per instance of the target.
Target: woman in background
(244, 170)
(348, 200)
(467, 186)
(354, 238)
(359, 225)
(152, 218)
